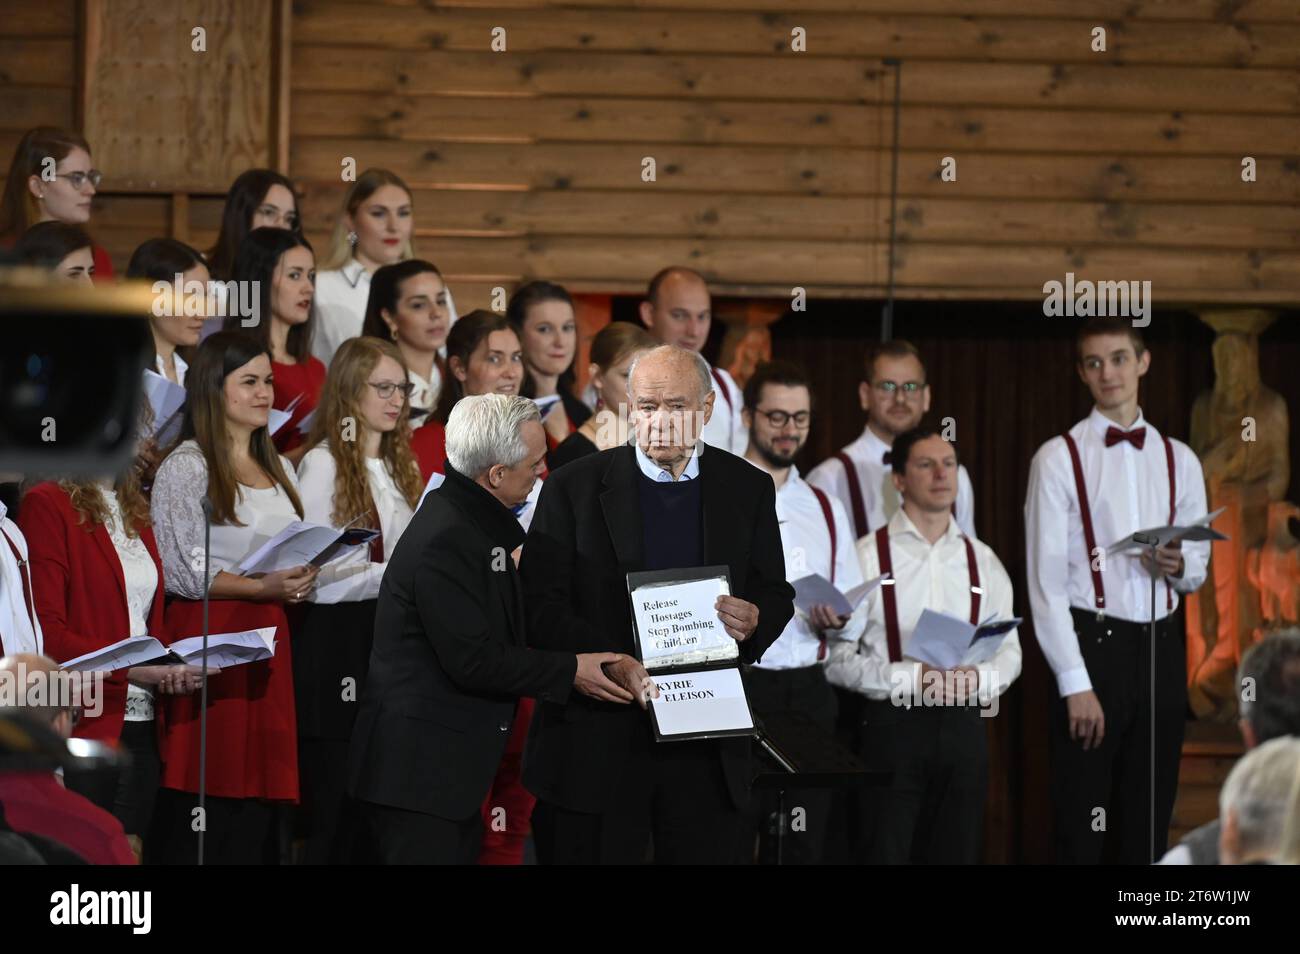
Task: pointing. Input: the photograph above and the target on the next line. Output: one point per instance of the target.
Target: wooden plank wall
(773, 166)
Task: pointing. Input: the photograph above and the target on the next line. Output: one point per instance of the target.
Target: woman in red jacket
(97, 579)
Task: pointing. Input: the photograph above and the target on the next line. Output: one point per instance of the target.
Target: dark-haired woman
(283, 266)
(408, 305)
(227, 456)
(542, 313)
(358, 472)
(51, 179)
(258, 198)
(58, 247)
(167, 261)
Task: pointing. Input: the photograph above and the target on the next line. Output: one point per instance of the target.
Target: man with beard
(895, 396)
(817, 538)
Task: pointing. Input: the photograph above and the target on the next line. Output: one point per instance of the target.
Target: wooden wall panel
(197, 118)
(773, 166)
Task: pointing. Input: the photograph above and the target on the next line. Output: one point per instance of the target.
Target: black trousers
(932, 809)
(335, 829)
(128, 793)
(1103, 798)
(674, 794)
(789, 690)
(238, 831)
(415, 838)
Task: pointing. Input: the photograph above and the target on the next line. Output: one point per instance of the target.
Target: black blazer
(449, 661)
(585, 538)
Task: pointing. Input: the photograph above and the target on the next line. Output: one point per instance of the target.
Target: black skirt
(331, 656)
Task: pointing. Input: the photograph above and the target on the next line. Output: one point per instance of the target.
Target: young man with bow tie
(1110, 475)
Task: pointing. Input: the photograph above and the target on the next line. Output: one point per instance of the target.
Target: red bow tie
(1137, 437)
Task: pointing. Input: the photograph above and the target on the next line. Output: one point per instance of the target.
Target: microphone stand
(203, 683)
(1152, 543)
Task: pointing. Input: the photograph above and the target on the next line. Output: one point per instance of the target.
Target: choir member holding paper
(226, 454)
(1108, 476)
(284, 267)
(358, 472)
(921, 721)
(97, 579)
(817, 539)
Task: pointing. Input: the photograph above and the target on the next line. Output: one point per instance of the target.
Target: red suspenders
(830, 527)
(26, 578)
(859, 506)
(726, 396)
(1085, 512)
(891, 600)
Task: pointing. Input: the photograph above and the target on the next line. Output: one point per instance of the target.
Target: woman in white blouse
(374, 230)
(359, 472)
(226, 462)
(181, 320)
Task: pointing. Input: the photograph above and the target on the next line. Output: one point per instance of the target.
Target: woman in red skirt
(252, 760)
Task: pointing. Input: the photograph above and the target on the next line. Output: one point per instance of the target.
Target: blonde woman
(359, 471)
(375, 229)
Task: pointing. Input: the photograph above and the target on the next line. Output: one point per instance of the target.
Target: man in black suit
(449, 661)
(605, 788)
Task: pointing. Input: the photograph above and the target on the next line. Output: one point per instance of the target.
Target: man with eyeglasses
(1110, 475)
(895, 397)
(816, 538)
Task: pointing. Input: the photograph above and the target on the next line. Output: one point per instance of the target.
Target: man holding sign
(605, 787)
(922, 723)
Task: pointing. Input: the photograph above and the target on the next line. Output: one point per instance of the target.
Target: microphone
(206, 504)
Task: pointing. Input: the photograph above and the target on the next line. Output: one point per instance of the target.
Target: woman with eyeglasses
(375, 228)
(51, 179)
(282, 266)
(66, 250)
(258, 199)
(97, 578)
(408, 305)
(358, 472)
(227, 461)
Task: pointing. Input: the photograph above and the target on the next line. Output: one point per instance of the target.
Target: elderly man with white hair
(1256, 802)
(606, 789)
(449, 662)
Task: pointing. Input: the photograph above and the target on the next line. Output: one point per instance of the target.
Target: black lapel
(717, 504)
(622, 508)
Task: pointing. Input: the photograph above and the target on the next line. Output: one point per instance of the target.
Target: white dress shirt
(726, 428)
(353, 576)
(661, 474)
(1128, 490)
(180, 364)
(806, 542)
(875, 478)
(927, 576)
(341, 298)
(19, 632)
